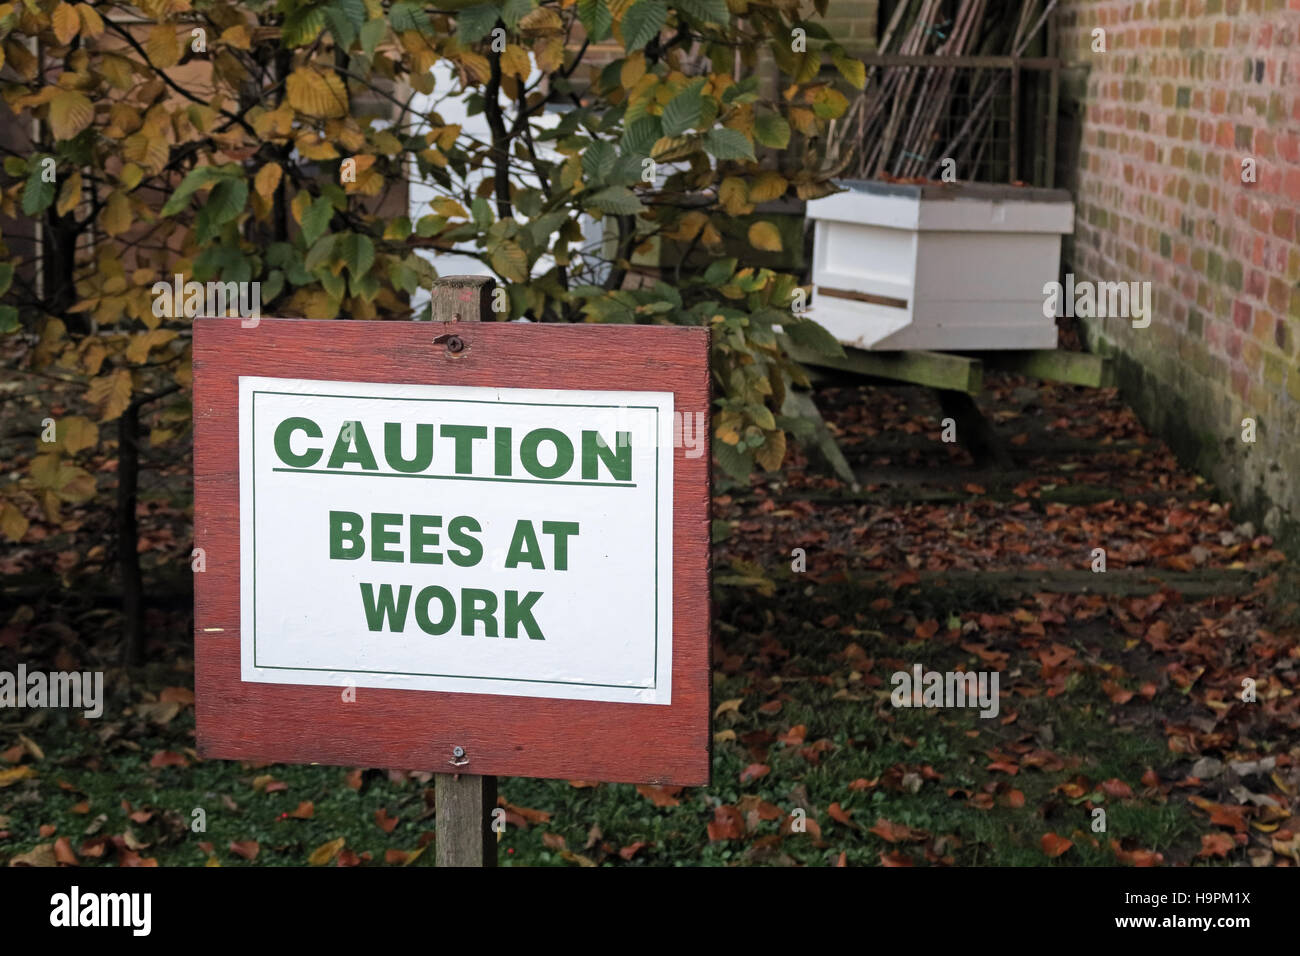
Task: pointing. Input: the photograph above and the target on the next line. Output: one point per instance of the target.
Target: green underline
(516, 481)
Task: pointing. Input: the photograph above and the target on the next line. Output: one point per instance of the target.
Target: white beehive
(939, 267)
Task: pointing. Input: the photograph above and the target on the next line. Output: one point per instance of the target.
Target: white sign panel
(444, 538)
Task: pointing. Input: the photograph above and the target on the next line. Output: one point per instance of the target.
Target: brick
(1278, 294)
(1241, 314)
(1284, 223)
(1274, 370)
(1233, 275)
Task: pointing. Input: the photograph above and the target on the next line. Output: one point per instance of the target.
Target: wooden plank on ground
(961, 373)
(1054, 365)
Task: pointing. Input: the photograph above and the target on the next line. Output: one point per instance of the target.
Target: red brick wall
(1185, 91)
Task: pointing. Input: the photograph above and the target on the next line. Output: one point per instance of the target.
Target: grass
(867, 740)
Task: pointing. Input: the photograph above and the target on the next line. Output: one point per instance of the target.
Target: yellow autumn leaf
(14, 774)
(116, 215)
(772, 452)
(237, 36)
(732, 705)
(13, 525)
(541, 20)
(326, 852)
(509, 260)
(269, 124)
(549, 52)
(112, 392)
(143, 342)
(92, 24)
(768, 186)
(70, 113)
(69, 194)
(313, 146)
(131, 175)
(267, 179)
(448, 207)
(76, 433)
(632, 70)
(93, 357)
(162, 46)
(66, 23)
(300, 203)
(515, 60)
(763, 235)
(734, 196)
(313, 93)
(689, 226)
(476, 65)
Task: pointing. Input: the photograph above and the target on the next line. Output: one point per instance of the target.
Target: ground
(1122, 690)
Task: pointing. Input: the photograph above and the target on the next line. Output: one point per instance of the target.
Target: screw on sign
(568, 537)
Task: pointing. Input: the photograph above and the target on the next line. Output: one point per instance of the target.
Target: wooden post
(464, 801)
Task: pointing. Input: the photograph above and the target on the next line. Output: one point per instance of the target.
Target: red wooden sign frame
(416, 730)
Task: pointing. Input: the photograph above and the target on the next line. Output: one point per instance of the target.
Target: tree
(265, 143)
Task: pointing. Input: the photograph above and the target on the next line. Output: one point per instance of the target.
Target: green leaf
(616, 199)
(357, 252)
(373, 32)
(37, 194)
(302, 26)
(194, 180)
(407, 15)
(771, 129)
(723, 143)
(515, 10)
(227, 199)
(642, 23)
(474, 23)
(640, 136)
(8, 319)
(598, 161)
(6, 276)
(736, 463)
(810, 335)
(542, 228)
(319, 253)
(683, 110)
(402, 277)
(272, 285)
(335, 286)
(316, 220)
(855, 71)
(367, 287)
(481, 211)
(345, 18)
(719, 271)
(596, 18)
(706, 11)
